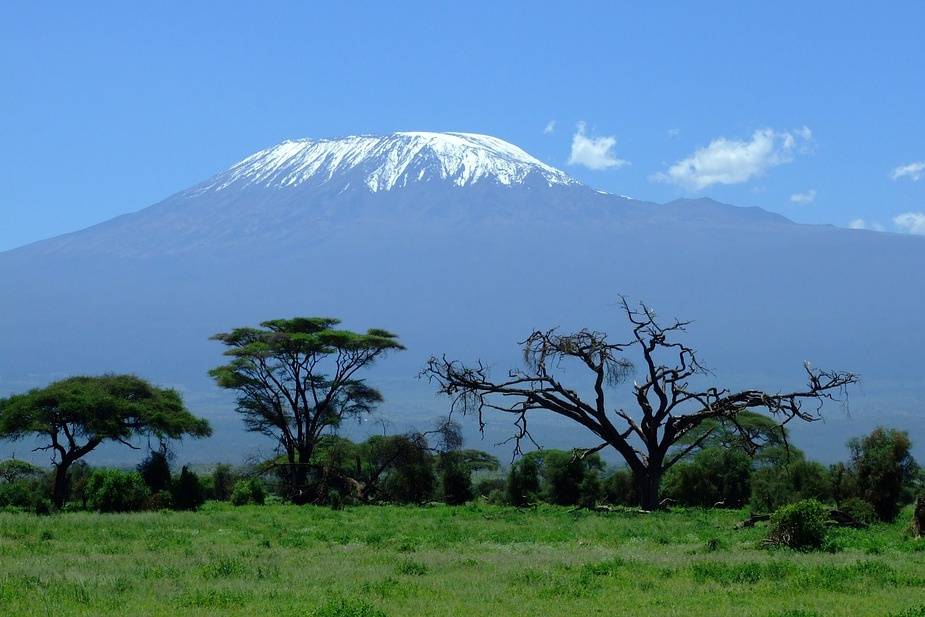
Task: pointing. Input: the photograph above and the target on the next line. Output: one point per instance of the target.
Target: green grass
(474, 560)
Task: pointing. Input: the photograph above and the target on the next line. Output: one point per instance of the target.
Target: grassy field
(475, 560)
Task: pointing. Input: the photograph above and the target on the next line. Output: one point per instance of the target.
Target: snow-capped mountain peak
(381, 163)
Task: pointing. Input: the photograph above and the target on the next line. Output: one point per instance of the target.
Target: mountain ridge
(465, 270)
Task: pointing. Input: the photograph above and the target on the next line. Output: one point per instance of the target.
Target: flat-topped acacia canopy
(79, 413)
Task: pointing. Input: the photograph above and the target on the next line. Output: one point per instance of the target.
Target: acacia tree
(670, 407)
(77, 414)
(297, 379)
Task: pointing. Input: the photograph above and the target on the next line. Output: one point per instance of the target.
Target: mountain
(462, 244)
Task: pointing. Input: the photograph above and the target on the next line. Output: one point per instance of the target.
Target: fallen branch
(751, 520)
(836, 516)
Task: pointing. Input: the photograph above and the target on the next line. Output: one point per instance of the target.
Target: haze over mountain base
(466, 261)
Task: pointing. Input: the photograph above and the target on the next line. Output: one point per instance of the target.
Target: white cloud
(913, 170)
(594, 152)
(804, 198)
(672, 133)
(862, 224)
(911, 222)
(732, 161)
(550, 127)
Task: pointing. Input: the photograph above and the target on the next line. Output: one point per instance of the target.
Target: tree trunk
(59, 492)
(648, 482)
(918, 518)
(299, 465)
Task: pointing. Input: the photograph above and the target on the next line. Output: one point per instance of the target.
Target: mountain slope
(461, 244)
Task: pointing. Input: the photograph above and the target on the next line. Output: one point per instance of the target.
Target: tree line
(299, 380)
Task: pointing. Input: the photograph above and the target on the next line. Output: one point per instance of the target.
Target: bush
(248, 492)
(162, 500)
(19, 494)
(713, 476)
(523, 482)
(155, 471)
(455, 479)
(801, 525)
(114, 490)
(42, 507)
(488, 487)
(14, 470)
(620, 488)
(77, 477)
(859, 510)
(883, 469)
(223, 481)
(564, 474)
(790, 482)
(187, 491)
(411, 481)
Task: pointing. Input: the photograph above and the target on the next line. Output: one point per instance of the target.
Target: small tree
(297, 379)
(76, 415)
(223, 481)
(187, 491)
(155, 470)
(455, 478)
(883, 466)
(13, 470)
(670, 405)
(715, 476)
(114, 490)
(523, 481)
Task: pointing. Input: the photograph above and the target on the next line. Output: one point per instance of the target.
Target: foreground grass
(474, 560)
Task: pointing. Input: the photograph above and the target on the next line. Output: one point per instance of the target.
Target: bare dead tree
(669, 406)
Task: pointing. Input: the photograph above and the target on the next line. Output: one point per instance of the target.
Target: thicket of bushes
(879, 478)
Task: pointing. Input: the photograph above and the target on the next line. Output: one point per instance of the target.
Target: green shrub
(114, 490)
(859, 510)
(18, 494)
(788, 482)
(455, 478)
(800, 526)
(713, 476)
(14, 470)
(523, 482)
(620, 488)
(187, 491)
(223, 481)
(566, 473)
(555, 476)
(155, 471)
(412, 480)
(162, 500)
(42, 506)
(489, 488)
(884, 469)
(248, 492)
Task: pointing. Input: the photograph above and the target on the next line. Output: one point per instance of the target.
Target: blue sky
(808, 109)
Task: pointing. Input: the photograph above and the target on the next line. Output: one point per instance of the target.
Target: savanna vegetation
(707, 509)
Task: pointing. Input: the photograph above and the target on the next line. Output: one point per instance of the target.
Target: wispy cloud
(862, 224)
(594, 152)
(913, 171)
(911, 222)
(672, 133)
(804, 198)
(550, 127)
(733, 161)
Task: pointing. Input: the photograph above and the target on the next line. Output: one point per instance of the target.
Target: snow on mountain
(381, 163)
